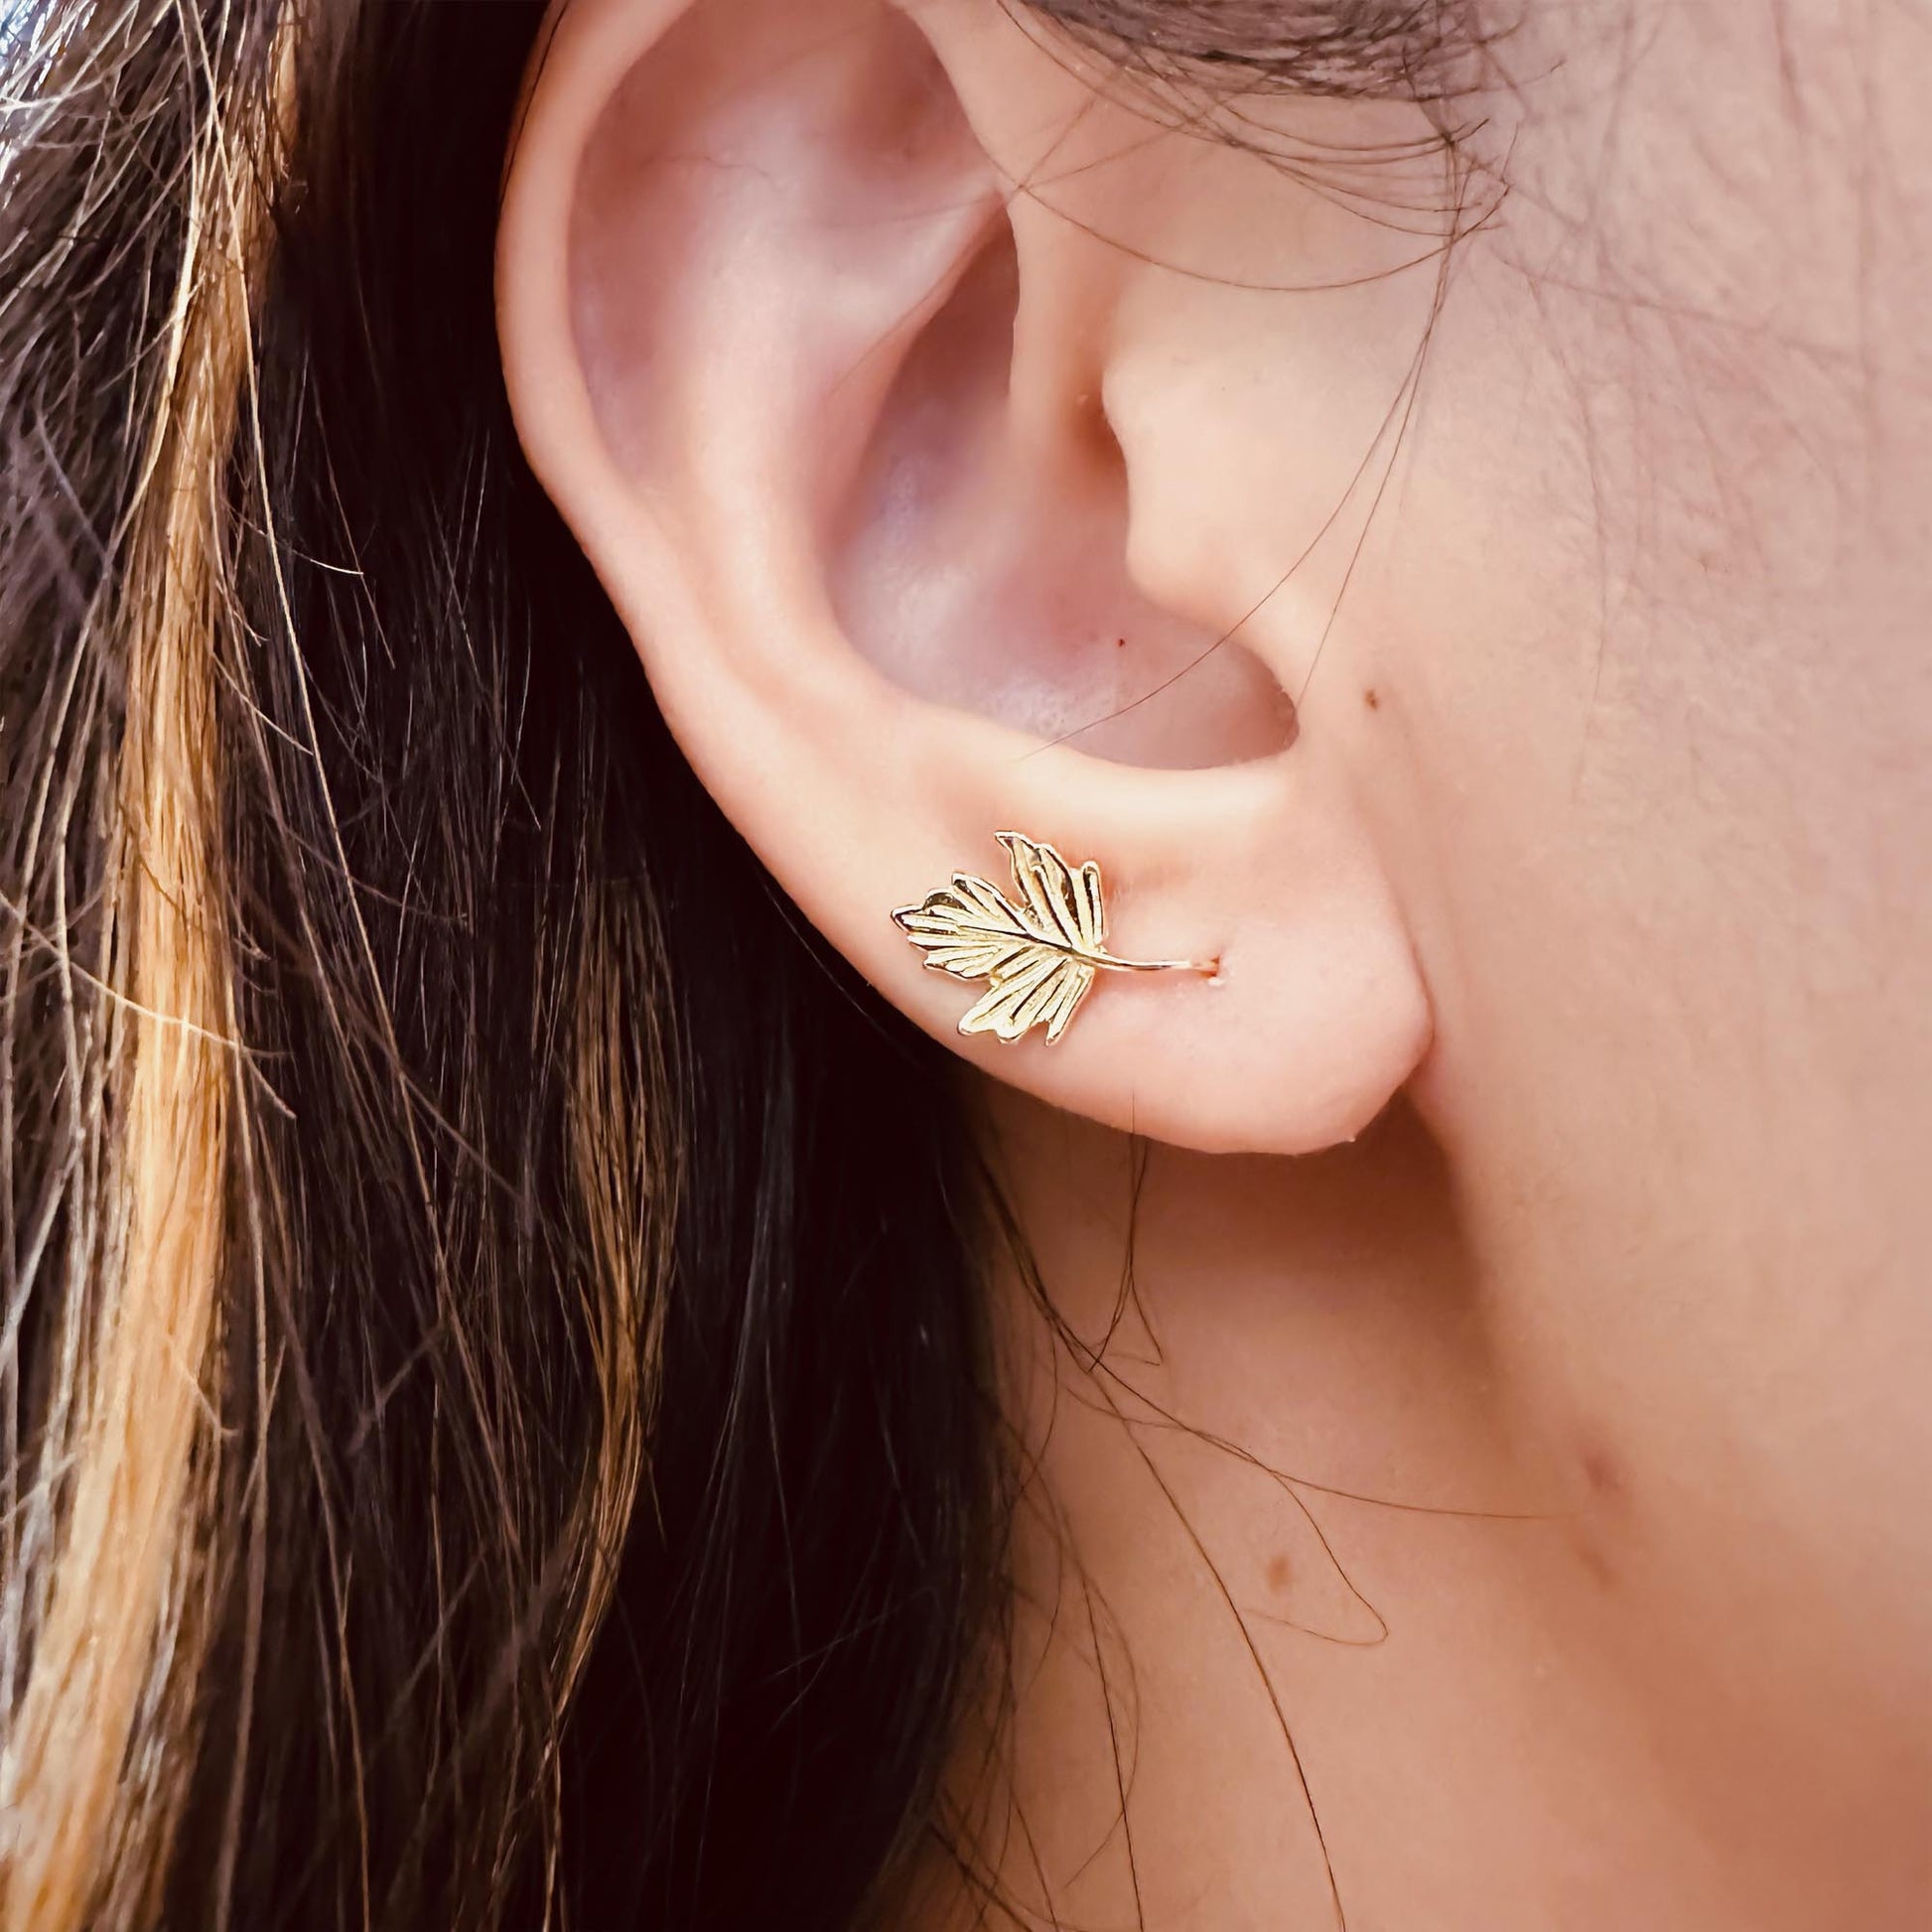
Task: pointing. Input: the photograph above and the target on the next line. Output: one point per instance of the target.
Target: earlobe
(750, 285)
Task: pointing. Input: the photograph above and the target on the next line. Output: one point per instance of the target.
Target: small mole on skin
(1603, 1521)
(1278, 1573)
(1601, 1472)
(1119, 644)
(1596, 1566)
(1371, 699)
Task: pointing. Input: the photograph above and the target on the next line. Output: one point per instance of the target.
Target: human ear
(826, 403)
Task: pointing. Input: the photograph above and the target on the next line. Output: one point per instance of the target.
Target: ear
(826, 404)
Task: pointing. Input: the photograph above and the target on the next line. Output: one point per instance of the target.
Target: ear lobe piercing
(1041, 957)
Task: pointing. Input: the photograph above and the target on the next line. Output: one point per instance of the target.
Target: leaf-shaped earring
(1040, 957)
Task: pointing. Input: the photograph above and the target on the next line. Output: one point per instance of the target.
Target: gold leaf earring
(1040, 957)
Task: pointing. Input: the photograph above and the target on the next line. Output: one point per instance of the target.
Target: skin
(1545, 1169)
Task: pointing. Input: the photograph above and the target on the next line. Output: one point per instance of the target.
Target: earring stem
(1208, 967)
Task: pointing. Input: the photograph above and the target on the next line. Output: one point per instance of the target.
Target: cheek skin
(1649, 613)
(1631, 657)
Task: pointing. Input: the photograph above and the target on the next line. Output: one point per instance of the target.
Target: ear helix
(1040, 957)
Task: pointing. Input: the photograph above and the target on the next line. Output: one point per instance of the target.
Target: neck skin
(1319, 1585)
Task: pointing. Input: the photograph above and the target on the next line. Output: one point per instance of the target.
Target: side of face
(974, 441)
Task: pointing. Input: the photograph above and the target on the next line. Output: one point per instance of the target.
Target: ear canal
(980, 558)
